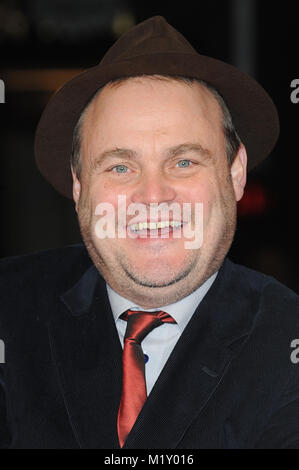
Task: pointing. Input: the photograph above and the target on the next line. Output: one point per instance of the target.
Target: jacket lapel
(88, 356)
(197, 364)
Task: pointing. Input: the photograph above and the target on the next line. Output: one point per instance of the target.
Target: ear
(76, 188)
(238, 172)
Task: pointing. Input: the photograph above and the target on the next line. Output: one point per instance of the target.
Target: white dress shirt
(159, 343)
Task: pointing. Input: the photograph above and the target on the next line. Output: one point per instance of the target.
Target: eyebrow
(187, 148)
(181, 149)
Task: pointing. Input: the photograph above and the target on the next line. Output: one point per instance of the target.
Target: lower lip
(159, 234)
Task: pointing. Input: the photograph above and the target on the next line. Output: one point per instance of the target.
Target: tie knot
(141, 323)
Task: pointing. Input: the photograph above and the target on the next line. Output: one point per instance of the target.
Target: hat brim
(253, 111)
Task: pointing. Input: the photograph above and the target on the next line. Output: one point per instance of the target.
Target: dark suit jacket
(229, 382)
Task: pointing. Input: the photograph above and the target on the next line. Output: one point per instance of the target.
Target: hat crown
(152, 36)
(152, 48)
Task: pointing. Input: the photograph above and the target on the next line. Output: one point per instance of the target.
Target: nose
(153, 187)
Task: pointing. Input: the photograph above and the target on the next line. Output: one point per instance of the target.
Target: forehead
(151, 107)
(150, 87)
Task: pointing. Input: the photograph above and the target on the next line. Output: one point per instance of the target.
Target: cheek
(101, 192)
(204, 192)
(211, 198)
(106, 204)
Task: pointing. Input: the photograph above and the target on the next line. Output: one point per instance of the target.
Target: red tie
(134, 387)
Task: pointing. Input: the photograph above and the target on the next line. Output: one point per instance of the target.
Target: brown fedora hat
(152, 47)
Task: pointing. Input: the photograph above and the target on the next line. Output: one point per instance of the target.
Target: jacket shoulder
(267, 292)
(29, 282)
(260, 281)
(42, 262)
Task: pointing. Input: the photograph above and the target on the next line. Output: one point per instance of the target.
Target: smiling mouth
(156, 230)
(149, 226)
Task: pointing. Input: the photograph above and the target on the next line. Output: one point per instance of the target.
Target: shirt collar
(181, 311)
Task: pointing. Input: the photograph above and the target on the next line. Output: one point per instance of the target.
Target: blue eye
(185, 163)
(122, 168)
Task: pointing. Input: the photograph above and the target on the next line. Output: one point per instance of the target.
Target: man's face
(157, 141)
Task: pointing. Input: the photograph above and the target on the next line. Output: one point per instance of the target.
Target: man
(136, 339)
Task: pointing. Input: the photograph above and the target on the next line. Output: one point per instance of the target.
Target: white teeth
(154, 225)
(175, 224)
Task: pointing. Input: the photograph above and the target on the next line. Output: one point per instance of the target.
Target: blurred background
(44, 43)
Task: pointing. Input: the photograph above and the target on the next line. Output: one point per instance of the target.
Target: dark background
(43, 43)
